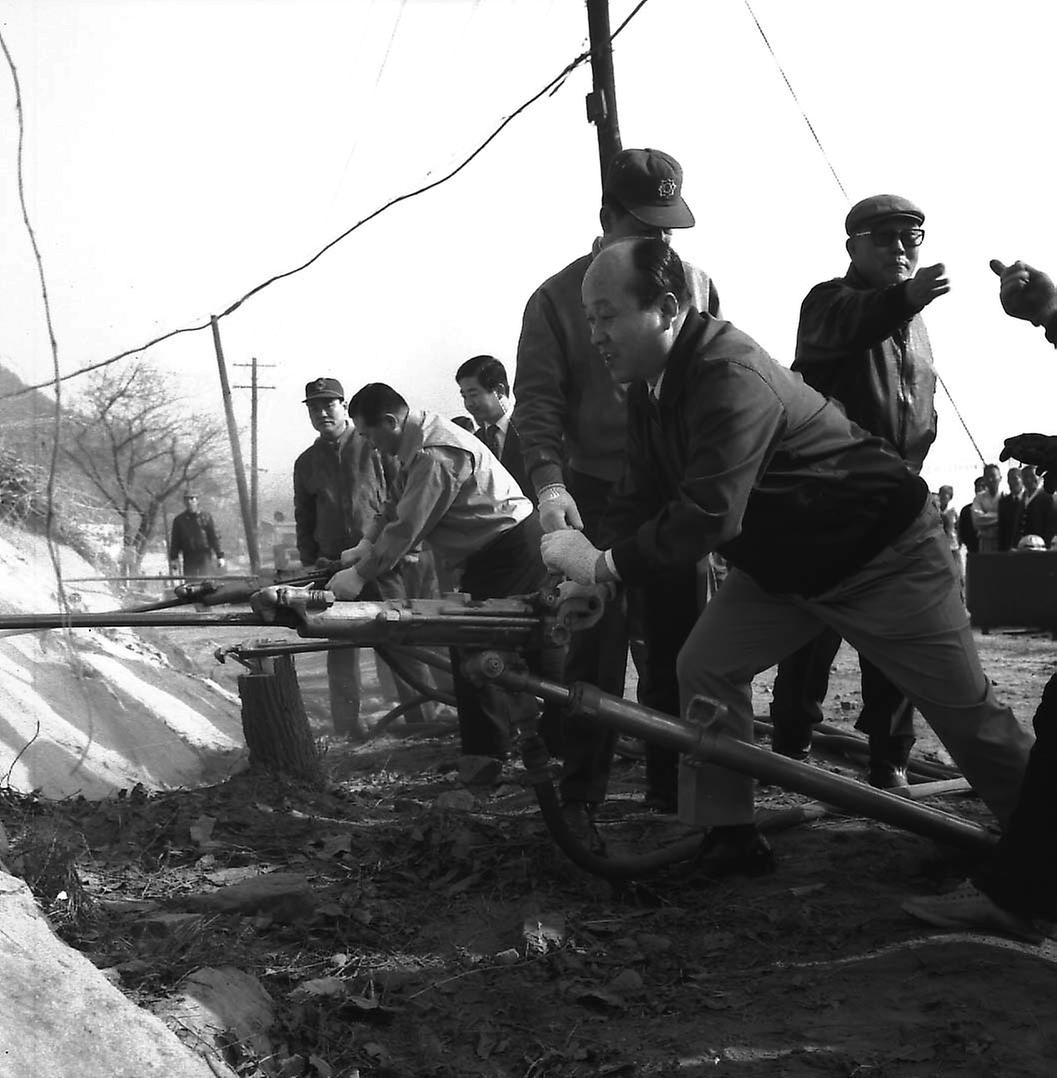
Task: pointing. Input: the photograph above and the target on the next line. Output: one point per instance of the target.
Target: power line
(833, 171)
(789, 87)
(552, 87)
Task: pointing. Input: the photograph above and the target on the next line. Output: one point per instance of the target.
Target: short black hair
(657, 270)
(465, 422)
(375, 400)
(488, 371)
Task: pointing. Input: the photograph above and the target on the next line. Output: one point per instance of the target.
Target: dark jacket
(569, 411)
(513, 459)
(865, 348)
(742, 457)
(193, 535)
(967, 530)
(1039, 517)
(339, 488)
(1010, 520)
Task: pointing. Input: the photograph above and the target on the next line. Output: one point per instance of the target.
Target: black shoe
(791, 739)
(889, 755)
(887, 777)
(737, 850)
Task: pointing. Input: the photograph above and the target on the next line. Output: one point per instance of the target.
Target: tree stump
(274, 722)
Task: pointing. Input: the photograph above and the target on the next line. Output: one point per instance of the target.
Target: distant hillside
(26, 421)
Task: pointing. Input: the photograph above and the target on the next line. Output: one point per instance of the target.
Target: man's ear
(849, 243)
(669, 307)
(605, 218)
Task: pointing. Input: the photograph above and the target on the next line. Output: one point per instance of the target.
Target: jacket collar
(412, 438)
(695, 326)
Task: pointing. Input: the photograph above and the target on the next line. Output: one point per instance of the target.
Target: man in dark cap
(862, 342)
(194, 538)
(572, 419)
(341, 484)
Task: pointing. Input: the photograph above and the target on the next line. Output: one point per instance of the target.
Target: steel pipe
(699, 738)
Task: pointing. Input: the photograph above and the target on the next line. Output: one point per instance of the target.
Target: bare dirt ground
(459, 942)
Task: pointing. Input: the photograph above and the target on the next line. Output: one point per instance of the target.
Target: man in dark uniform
(194, 538)
(862, 342)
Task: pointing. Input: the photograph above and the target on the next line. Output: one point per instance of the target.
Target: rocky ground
(403, 924)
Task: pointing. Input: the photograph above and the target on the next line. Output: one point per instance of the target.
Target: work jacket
(868, 350)
(193, 534)
(568, 409)
(739, 455)
(339, 488)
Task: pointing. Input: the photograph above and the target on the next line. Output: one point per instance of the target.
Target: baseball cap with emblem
(649, 185)
(870, 211)
(324, 389)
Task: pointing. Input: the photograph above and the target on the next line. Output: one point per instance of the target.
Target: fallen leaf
(321, 986)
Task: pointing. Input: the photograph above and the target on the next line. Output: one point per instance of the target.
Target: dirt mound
(91, 711)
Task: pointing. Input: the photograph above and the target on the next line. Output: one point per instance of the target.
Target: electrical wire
(833, 172)
(789, 87)
(551, 87)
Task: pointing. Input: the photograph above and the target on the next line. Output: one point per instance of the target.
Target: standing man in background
(985, 510)
(194, 538)
(862, 342)
(1011, 511)
(341, 484)
(572, 418)
(485, 391)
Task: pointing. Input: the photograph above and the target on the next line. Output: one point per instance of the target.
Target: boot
(889, 755)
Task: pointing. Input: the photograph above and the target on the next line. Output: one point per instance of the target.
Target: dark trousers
(197, 563)
(802, 682)
(1022, 874)
(668, 609)
(511, 565)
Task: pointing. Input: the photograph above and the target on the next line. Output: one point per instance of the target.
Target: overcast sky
(179, 152)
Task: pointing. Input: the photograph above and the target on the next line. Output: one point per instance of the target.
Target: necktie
(491, 438)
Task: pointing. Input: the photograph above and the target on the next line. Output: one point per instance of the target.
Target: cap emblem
(666, 188)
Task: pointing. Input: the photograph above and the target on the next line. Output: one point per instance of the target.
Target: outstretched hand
(1025, 292)
(1037, 449)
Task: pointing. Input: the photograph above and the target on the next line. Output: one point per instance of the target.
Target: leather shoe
(736, 850)
(791, 739)
(888, 777)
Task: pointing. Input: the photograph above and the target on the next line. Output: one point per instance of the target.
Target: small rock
(455, 801)
(479, 770)
(625, 983)
(219, 1005)
(283, 896)
(508, 957)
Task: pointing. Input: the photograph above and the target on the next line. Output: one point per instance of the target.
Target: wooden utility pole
(255, 486)
(248, 523)
(602, 101)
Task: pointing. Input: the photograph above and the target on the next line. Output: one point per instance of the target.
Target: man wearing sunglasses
(862, 342)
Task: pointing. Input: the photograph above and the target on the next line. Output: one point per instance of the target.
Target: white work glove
(355, 554)
(346, 585)
(221, 563)
(572, 553)
(558, 509)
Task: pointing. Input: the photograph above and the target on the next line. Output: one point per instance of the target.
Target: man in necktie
(485, 391)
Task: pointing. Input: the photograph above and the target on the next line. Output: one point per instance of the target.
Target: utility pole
(602, 101)
(253, 387)
(248, 523)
